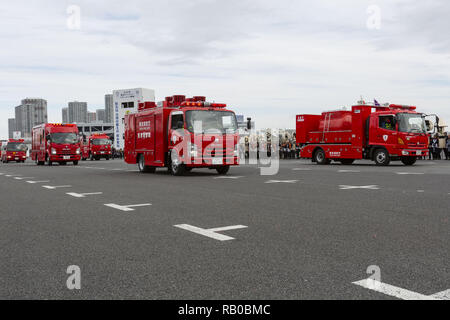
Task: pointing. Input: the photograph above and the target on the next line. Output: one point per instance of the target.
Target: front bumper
(213, 162)
(414, 152)
(65, 157)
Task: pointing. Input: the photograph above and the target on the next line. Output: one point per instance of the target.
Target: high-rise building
(11, 128)
(109, 111)
(101, 115)
(32, 112)
(65, 115)
(77, 112)
(91, 117)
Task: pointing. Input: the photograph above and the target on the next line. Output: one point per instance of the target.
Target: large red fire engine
(98, 146)
(14, 150)
(181, 133)
(52, 142)
(374, 132)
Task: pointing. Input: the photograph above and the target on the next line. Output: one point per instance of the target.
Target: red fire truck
(14, 150)
(54, 142)
(96, 147)
(181, 133)
(374, 132)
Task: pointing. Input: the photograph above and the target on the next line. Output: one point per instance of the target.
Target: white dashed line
(54, 187)
(43, 181)
(211, 233)
(371, 187)
(82, 195)
(126, 207)
(281, 181)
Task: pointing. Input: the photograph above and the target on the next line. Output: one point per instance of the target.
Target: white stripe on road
(301, 169)
(405, 173)
(281, 181)
(349, 171)
(346, 187)
(82, 195)
(126, 207)
(210, 233)
(54, 187)
(31, 181)
(392, 291)
(21, 178)
(398, 292)
(444, 295)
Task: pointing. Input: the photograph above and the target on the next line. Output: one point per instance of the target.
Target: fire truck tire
(143, 168)
(409, 161)
(347, 162)
(320, 157)
(381, 157)
(176, 167)
(223, 170)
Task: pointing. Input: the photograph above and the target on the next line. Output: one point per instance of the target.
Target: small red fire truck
(96, 147)
(374, 132)
(14, 150)
(181, 133)
(53, 142)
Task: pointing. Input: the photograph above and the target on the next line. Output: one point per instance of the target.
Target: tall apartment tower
(91, 117)
(101, 115)
(65, 115)
(77, 112)
(32, 112)
(11, 128)
(109, 111)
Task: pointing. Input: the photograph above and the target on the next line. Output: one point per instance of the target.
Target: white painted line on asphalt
(301, 169)
(421, 191)
(54, 187)
(211, 233)
(82, 195)
(31, 181)
(444, 295)
(21, 178)
(127, 207)
(349, 171)
(281, 181)
(397, 292)
(228, 177)
(12, 175)
(405, 173)
(346, 187)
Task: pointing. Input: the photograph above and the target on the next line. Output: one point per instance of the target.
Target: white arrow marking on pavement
(211, 233)
(31, 181)
(301, 169)
(397, 292)
(228, 177)
(281, 181)
(371, 187)
(404, 173)
(82, 195)
(54, 187)
(127, 207)
(21, 178)
(344, 171)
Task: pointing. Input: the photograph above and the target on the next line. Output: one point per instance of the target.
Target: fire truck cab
(97, 146)
(54, 142)
(182, 133)
(14, 150)
(379, 133)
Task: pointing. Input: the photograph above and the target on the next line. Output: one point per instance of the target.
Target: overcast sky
(269, 59)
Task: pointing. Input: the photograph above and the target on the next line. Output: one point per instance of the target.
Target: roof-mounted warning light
(400, 106)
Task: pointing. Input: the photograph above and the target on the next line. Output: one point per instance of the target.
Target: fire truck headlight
(78, 151)
(53, 151)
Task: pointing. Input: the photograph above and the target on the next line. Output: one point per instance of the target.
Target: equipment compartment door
(145, 133)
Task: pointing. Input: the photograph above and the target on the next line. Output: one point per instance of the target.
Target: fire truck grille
(218, 152)
(65, 152)
(415, 145)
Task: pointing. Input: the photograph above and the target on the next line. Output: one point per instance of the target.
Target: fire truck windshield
(100, 142)
(16, 146)
(64, 138)
(411, 122)
(207, 121)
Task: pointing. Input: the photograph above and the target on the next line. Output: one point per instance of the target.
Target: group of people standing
(439, 147)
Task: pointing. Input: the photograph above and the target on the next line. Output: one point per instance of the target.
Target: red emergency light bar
(400, 106)
(62, 124)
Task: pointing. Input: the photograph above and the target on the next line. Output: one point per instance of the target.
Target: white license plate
(418, 153)
(217, 161)
(66, 157)
(102, 152)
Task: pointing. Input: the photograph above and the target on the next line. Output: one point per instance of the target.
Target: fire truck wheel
(143, 168)
(381, 157)
(176, 167)
(320, 157)
(409, 161)
(223, 170)
(347, 162)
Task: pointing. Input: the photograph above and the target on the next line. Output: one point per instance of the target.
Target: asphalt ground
(310, 231)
